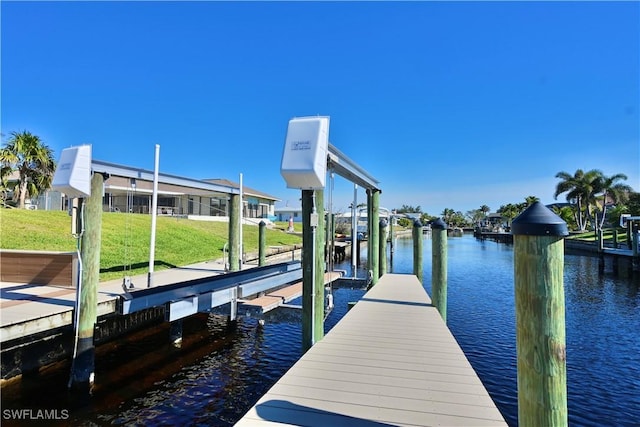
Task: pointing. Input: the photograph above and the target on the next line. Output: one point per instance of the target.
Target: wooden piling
(234, 232)
(600, 237)
(417, 249)
(635, 259)
(312, 268)
(391, 248)
(382, 257)
(439, 267)
(540, 317)
(83, 363)
(374, 236)
(262, 243)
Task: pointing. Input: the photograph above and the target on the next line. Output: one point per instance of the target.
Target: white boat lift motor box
(304, 159)
(73, 173)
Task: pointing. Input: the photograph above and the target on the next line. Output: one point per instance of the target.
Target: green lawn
(126, 237)
(607, 235)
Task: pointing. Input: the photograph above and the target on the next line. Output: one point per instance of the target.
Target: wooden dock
(390, 361)
(496, 237)
(277, 298)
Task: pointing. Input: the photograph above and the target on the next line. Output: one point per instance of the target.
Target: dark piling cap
(262, 224)
(383, 223)
(439, 224)
(539, 220)
(417, 223)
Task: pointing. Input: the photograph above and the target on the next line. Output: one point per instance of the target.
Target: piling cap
(417, 223)
(539, 220)
(439, 224)
(383, 223)
(262, 224)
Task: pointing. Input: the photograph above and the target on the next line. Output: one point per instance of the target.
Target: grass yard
(126, 238)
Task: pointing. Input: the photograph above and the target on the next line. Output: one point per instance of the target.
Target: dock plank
(390, 361)
(277, 298)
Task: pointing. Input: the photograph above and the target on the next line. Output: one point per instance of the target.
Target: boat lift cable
(126, 263)
(79, 231)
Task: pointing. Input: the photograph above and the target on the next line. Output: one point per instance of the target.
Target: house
(129, 189)
(287, 212)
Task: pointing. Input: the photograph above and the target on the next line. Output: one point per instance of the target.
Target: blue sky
(447, 104)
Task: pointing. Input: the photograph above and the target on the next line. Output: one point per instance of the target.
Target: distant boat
(456, 232)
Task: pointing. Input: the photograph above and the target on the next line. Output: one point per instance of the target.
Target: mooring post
(374, 237)
(540, 321)
(417, 249)
(600, 239)
(635, 261)
(391, 242)
(439, 266)
(262, 243)
(83, 363)
(312, 267)
(234, 233)
(383, 247)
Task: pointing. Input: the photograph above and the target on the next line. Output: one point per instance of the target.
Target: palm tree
(566, 214)
(531, 200)
(509, 211)
(448, 215)
(34, 162)
(581, 188)
(616, 191)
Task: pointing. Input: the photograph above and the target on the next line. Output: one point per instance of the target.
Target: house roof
(288, 209)
(248, 191)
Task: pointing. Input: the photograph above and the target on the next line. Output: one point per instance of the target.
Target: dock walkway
(390, 361)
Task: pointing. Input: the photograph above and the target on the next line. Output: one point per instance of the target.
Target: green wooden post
(391, 249)
(540, 324)
(635, 260)
(312, 268)
(262, 243)
(234, 233)
(83, 364)
(374, 236)
(615, 237)
(383, 247)
(417, 249)
(600, 236)
(439, 267)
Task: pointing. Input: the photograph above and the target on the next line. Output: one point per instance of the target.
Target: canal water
(219, 373)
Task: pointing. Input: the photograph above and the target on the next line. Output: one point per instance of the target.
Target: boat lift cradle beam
(202, 295)
(348, 169)
(147, 175)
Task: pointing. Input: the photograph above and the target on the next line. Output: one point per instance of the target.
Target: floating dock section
(390, 361)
